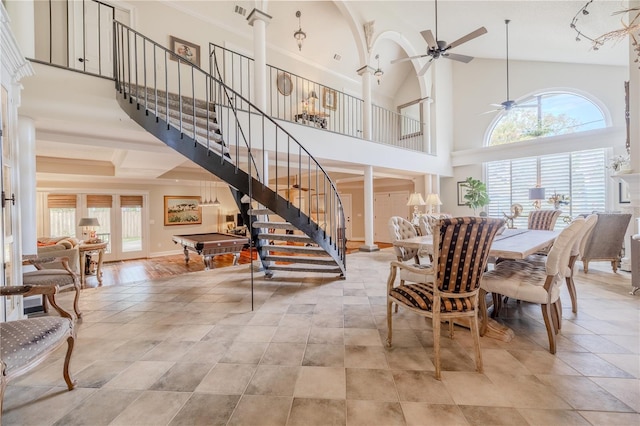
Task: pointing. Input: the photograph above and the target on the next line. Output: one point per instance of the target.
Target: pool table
(211, 244)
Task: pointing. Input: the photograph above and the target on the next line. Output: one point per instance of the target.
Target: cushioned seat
(63, 278)
(26, 343)
(606, 240)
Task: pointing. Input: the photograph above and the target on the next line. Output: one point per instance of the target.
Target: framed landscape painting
(182, 210)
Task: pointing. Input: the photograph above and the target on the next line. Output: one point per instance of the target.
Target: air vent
(337, 57)
(241, 10)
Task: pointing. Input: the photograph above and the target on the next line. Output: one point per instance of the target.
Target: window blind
(131, 201)
(62, 201)
(99, 201)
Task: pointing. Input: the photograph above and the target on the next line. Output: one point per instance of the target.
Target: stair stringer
(234, 176)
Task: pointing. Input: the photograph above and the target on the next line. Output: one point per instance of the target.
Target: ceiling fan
(440, 48)
(508, 104)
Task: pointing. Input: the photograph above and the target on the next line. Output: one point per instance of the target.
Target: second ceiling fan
(440, 48)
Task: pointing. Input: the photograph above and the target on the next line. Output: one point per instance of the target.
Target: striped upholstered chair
(449, 288)
(543, 219)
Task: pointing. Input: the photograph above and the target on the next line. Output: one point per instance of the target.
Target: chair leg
(67, 377)
(614, 266)
(548, 322)
(76, 299)
(572, 293)
(435, 320)
(389, 320)
(451, 329)
(482, 306)
(555, 317)
(45, 305)
(476, 342)
(62, 312)
(585, 265)
(558, 309)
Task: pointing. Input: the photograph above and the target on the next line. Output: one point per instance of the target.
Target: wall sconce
(378, 73)
(415, 200)
(432, 200)
(536, 195)
(299, 35)
(89, 225)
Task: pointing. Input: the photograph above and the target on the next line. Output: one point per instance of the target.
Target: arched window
(546, 114)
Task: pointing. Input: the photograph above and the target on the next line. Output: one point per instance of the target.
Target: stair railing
(179, 102)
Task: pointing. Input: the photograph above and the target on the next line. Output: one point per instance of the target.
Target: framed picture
(624, 197)
(182, 210)
(284, 84)
(462, 191)
(184, 49)
(329, 98)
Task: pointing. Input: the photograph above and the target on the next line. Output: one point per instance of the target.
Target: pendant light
(299, 35)
(216, 203)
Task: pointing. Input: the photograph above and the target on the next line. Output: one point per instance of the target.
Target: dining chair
(543, 219)
(400, 229)
(524, 281)
(64, 278)
(26, 343)
(448, 289)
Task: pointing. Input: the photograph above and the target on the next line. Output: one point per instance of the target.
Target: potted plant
(476, 196)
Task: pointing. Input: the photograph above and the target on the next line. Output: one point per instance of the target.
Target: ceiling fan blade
(468, 37)
(395, 61)
(456, 57)
(427, 35)
(425, 68)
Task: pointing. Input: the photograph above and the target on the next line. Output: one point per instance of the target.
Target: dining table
(509, 244)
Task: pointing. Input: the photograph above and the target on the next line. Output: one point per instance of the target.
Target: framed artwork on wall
(329, 98)
(184, 49)
(624, 197)
(182, 210)
(462, 190)
(284, 84)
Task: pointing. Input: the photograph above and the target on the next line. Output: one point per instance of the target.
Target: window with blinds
(62, 215)
(580, 176)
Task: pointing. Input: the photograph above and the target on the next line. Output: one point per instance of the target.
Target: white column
(26, 196)
(259, 21)
(22, 17)
(368, 211)
(365, 72)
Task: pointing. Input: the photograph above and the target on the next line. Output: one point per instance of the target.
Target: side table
(84, 251)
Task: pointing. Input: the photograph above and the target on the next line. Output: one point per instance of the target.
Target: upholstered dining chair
(399, 229)
(63, 278)
(449, 288)
(543, 219)
(26, 343)
(524, 281)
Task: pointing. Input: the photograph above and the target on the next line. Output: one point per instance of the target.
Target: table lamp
(432, 200)
(415, 200)
(89, 225)
(536, 195)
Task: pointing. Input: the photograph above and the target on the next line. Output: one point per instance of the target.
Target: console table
(85, 250)
(319, 119)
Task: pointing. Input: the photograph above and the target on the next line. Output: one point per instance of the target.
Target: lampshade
(88, 221)
(536, 194)
(433, 200)
(416, 199)
(313, 95)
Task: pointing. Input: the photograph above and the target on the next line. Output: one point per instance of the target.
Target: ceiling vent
(240, 10)
(337, 57)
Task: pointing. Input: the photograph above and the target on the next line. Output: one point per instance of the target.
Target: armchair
(606, 239)
(24, 344)
(448, 289)
(400, 229)
(64, 278)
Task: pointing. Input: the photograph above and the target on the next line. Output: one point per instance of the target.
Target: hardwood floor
(131, 271)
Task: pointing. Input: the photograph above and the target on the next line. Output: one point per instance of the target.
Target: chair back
(461, 249)
(558, 257)
(399, 229)
(543, 219)
(426, 222)
(581, 242)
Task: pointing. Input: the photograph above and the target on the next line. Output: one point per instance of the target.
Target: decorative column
(259, 21)
(368, 211)
(26, 156)
(365, 72)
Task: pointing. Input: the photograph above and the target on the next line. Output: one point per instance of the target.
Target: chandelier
(299, 35)
(378, 73)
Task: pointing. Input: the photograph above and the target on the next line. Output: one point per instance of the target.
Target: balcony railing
(294, 98)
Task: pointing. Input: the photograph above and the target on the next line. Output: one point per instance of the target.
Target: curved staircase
(198, 116)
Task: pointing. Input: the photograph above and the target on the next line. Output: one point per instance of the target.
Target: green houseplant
(476, 196)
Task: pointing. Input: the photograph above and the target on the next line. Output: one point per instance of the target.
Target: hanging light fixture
(378, 73)
(299, 35)
(216, 203)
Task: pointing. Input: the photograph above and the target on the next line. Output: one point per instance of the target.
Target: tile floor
(188, 350)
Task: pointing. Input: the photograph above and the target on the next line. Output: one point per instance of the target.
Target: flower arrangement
(619, 162)
(559, 200)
